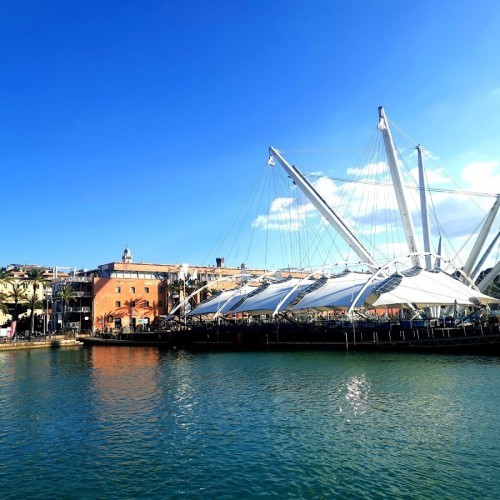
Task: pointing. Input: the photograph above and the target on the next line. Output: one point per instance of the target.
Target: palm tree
(17, 294)
(36, 278)
(172, 289)
(5, 276)
(33, 304)
(3, 303)
(192, 286)
(66, 294)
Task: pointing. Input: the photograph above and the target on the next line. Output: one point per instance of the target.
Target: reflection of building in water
(123, 374)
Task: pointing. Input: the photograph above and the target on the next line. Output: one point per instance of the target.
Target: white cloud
(371, 169)
(285, 214)
(482, 176)
(280, 204)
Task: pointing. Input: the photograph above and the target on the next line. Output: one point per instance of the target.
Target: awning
(336, 293)
(267, 299)
(225, 299)
(425, 288)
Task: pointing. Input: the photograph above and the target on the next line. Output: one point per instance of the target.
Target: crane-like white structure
(483, 234)
(325, 210)
(423, 209)
(392, 161)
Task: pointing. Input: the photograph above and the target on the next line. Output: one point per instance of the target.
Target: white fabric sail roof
(269, 297)
(425, 288)
(226, 300)
(336, 293)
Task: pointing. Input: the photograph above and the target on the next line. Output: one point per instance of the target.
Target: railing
(83, 294)
(78, 309)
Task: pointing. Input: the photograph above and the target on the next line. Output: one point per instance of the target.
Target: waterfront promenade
(53, 341)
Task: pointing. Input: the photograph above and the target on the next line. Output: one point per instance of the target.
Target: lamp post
(175, 297)
(184, 299)
(167, 290)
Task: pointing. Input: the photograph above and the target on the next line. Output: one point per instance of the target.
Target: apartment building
(18, 293)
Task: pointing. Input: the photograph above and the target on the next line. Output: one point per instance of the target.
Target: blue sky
(143, 122)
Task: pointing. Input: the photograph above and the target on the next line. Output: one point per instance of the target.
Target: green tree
(17, 295)
(36, 279)
(33, 304)
(3, 303)
(172, 294)
(66, 294)
(5, 276)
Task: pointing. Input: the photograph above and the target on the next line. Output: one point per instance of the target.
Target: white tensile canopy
(336, 293)
(225, 299)
(269, 297)
(415, 286)
(425, 288)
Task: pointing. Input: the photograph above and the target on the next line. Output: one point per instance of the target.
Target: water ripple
(130, 423)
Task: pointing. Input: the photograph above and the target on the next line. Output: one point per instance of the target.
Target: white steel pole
(324, 209)
(488, 279)
(483, 234)
(423, 209)
(390, 151)
(486, 254)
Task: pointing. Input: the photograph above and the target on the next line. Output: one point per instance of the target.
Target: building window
(132, 303)
(160, 303)
(118, 289)
(146, 303)
(132, 289)
(110, 319)
(146, 289)
(118, 303)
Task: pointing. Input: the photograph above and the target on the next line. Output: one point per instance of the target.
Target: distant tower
(127, 255)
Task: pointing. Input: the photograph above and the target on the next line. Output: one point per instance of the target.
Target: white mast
(390, 151)
(325, 210)
(423, 209)
(483, 234)
(486, 254)
(488, 279)
(437, 264)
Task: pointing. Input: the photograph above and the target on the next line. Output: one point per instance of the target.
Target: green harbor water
(109, 422)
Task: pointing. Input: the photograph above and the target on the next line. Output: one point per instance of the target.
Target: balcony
(79, 279)
(73, 279)
(78, 309)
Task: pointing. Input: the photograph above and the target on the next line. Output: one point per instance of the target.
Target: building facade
(124, 296)
(130, 296)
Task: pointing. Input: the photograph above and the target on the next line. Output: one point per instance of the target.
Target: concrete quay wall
(44, 344)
